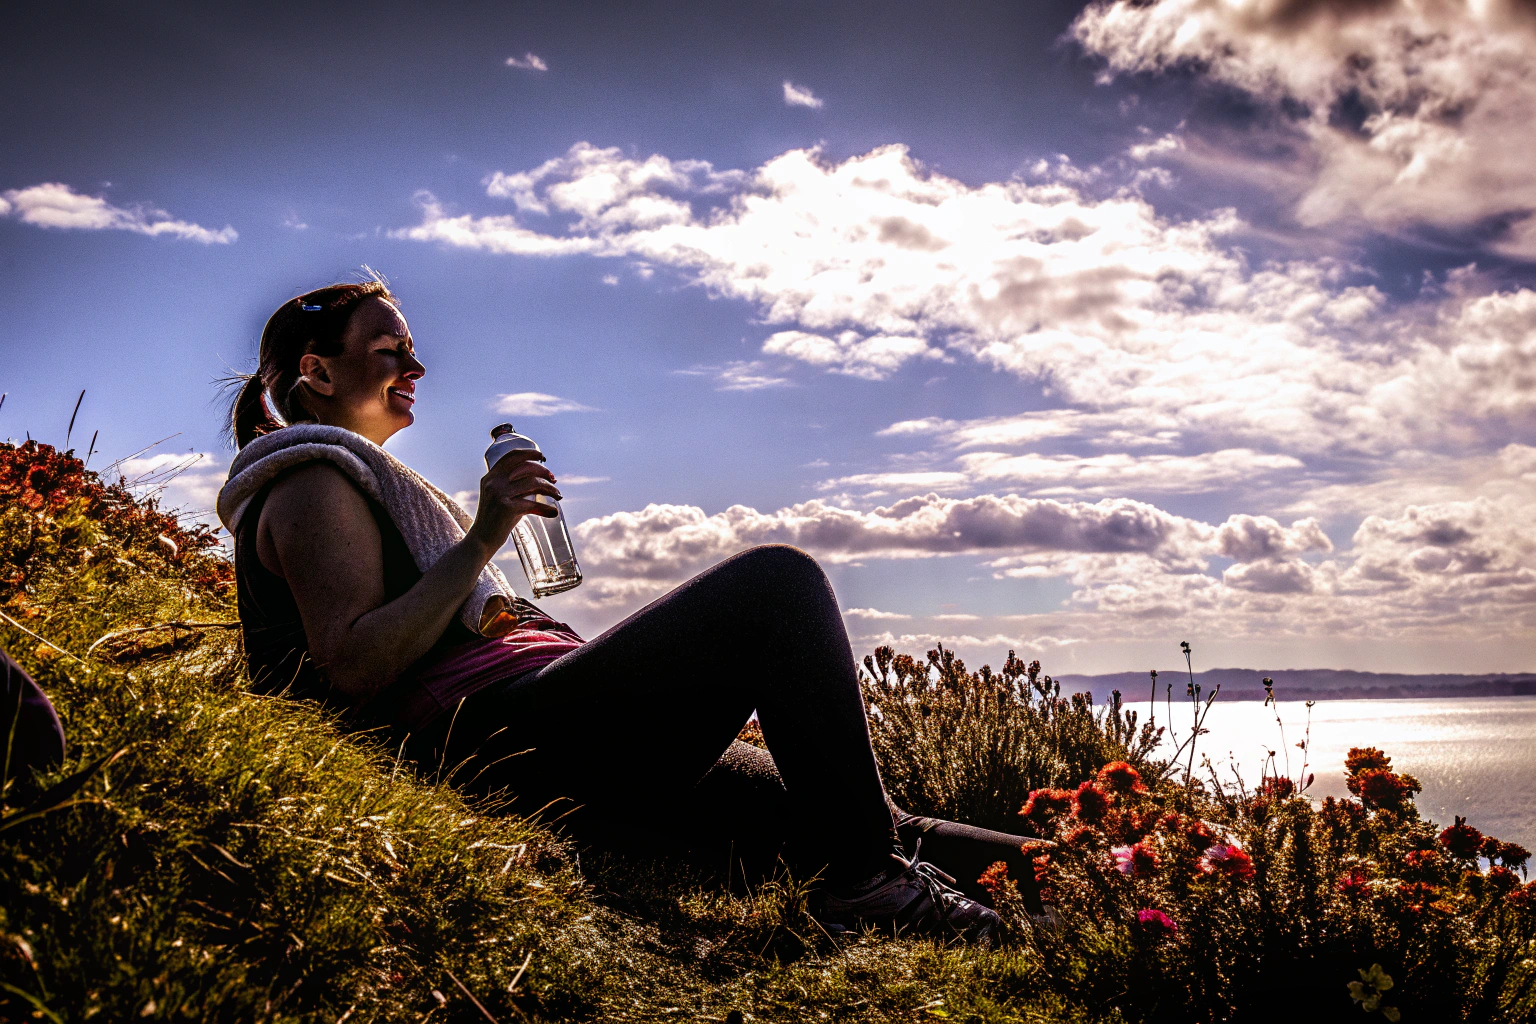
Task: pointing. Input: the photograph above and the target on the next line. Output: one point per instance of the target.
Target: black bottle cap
(501, 428)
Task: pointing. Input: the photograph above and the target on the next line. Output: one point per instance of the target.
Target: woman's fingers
(529, 469)
(516, 460)
(516, 489)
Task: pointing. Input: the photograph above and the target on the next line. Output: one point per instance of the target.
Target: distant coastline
(1307, 684)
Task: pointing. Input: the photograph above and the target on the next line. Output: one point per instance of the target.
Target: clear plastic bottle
(543, 543)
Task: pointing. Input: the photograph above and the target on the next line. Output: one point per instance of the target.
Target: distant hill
(1308, 684)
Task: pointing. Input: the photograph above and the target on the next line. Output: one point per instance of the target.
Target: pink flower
(1231, 861)
(1156, 923)
(1140, 860)
(1354, 884)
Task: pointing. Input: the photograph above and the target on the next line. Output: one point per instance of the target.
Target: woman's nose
(414, 370)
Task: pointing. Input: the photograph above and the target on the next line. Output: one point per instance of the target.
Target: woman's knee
(780, 563)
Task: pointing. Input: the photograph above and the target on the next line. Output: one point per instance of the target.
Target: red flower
(1120, 777)
(1378, 787)
(1419, 895)
(1502, 879)
(1200, 834)
(995, 879)
(1511, 855)
(1076, 834)
(1231, 861)
(1423, 861)
(1354, 884)
(1045, 804)
(1523, 897)
(1140, 860)
(1277, 787)
(1364, 759)
(1090, 803)
(1462, 840)
(1156, 923)
(1042, 865)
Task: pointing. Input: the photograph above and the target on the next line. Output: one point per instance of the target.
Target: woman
(626, 725)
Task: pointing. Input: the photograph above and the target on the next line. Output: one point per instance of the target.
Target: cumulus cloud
(873, 358)
(528, 62)
(1403, 112)
(1123, 427)
(873, 613)
(1094, 474)
(668, 542)
(800, 96)
(535, 403)
(1145, 329)
(1424, 572)
(56, 205)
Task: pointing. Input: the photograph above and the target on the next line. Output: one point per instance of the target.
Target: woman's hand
(507, 493)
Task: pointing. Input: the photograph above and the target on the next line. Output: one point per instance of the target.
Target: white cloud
(1153, 326)
(873, 613)
(1399, 113)
(610, 279)
(873, 358)
(672, 541)
(1134, 568)
(800, 96)
(1094, 474)
(55, 205)
(528, 62)
(186, 483)
(535, 403)
(739, 375)
(1123, 427)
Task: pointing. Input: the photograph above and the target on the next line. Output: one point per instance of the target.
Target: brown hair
(313, 322)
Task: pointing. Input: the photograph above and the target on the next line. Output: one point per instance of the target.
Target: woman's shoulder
(317, 489)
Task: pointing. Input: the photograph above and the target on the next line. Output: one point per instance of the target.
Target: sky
(1074, 330)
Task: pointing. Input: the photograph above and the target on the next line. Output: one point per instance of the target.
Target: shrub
(973, 746)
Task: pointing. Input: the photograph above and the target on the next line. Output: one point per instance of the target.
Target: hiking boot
(910, 898)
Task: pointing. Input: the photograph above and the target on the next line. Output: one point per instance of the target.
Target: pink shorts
(437, 685)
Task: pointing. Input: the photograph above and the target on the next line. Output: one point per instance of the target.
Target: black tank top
(276, 649)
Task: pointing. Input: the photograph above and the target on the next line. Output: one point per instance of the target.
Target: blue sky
(1078, 331)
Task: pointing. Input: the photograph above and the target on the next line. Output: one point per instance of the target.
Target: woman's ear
(313, 373)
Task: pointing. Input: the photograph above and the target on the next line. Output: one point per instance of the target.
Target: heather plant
(971, 746)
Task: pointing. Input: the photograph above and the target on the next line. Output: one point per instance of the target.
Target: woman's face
(370, 387)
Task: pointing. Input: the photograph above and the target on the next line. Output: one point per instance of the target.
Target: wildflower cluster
(1203, 900)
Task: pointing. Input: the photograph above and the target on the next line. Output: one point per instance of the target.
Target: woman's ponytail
(249, 418)
(313, 322)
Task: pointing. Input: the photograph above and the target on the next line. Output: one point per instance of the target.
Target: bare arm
(317, 532)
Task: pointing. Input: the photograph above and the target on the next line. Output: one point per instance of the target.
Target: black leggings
(636, 727)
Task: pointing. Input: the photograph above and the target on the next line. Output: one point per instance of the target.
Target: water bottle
(543, 543)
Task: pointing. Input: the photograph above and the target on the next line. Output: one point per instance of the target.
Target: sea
(1475, 756)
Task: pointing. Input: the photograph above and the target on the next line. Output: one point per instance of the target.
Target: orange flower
(1090, 803)
(1120, 777)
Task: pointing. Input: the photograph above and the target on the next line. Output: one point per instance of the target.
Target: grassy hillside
(205, 854)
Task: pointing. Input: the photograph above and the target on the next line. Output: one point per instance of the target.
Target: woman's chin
(401, 412)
